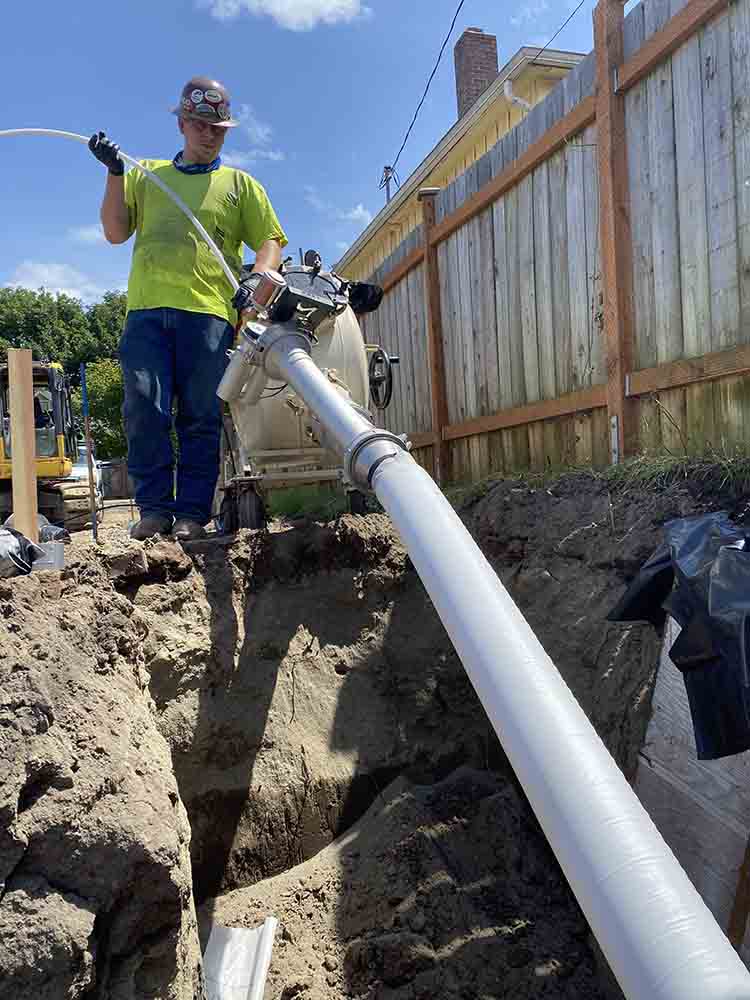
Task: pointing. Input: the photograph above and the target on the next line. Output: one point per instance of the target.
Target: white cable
(152, 176)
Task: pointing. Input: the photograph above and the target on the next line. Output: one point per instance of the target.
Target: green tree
(59, 328)
(104, 384)
(106, 320)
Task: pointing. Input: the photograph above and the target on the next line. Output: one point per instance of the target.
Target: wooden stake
(436, 355)
(23, 442)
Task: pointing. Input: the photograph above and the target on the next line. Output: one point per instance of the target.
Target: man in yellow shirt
(181, 311)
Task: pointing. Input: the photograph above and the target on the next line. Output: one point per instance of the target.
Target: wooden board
(446, 265)
(557, 174)
(663, 196)
(417, 310)
(691, 186)
(708, 367)
(478, 446)
(519, 416)
(740, 44)
(23, 442)
(527, 288)
(577, 266)
(700, 420)
(596, 353)
(639, 176)
(584, 439)
(543, 267)
(720, 183)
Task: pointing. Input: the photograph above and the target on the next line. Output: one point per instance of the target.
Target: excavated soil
(293, 696)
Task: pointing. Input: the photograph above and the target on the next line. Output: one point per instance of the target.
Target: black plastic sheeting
(17, 553)
(700, 576)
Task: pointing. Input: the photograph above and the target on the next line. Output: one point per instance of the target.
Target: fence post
(614, 227)
(434, 319)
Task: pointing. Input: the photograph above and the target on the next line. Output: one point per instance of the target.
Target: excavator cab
(62, 497)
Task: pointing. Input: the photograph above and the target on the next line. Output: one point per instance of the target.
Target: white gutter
(553, 59)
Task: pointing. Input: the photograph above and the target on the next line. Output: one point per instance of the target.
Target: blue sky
(326, 89)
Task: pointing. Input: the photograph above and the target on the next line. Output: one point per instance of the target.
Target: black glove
(364, 298)
(107, 152)
(243, 297)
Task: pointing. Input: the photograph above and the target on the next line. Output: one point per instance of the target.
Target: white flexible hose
(151, 176)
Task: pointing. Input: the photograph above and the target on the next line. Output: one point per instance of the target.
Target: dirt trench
(293, 697)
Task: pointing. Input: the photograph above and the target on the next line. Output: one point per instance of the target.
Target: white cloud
(529, 13)
(359, 214)
(260, 132)
(56, 278)
(238, 158)
(342, 246)
(87, 234)
(296, 15)
(314, 200)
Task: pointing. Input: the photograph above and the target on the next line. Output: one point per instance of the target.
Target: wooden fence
(583, 291)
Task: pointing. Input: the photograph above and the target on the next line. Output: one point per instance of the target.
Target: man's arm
(114, 213)
(268, 257)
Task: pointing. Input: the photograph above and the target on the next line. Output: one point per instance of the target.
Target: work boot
(150, 525)
(185, 530)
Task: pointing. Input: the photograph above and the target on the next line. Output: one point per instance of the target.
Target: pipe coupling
(359, 467)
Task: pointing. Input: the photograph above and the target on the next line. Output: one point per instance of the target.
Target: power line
(390, 170)
(563, 25)
(432, 76)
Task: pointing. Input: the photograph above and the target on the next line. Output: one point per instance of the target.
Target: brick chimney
(475, 56)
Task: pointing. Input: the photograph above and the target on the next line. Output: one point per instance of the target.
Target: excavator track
(66, 502)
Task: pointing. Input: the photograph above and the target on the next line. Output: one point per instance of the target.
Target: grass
(317, 502)
(715, 472)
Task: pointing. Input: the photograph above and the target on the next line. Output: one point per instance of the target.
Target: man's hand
(243, 297)
(107, 152)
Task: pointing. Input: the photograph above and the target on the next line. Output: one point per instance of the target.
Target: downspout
(514, 98)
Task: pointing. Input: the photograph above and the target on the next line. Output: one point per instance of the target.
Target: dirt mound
(95, 885)
(291, 676)
(419, 901)
(294, 675)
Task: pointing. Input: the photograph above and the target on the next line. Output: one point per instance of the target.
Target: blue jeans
(167, 355)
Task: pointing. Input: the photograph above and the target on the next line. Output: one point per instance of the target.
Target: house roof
(551, 59)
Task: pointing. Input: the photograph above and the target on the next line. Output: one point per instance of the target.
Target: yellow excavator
(62, 474)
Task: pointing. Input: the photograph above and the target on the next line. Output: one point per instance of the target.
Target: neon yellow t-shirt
(172, 265)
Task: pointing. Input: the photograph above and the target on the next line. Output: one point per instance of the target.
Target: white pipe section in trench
(658, 935)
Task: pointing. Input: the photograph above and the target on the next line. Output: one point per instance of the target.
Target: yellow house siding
(533, 85)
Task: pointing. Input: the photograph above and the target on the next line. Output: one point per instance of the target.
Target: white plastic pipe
(659, 937)
(152, 177)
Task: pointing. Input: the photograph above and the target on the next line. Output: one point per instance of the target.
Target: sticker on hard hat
(205, 109)
(197, 97)
(187, 104)
(223, 112)
(214, 97)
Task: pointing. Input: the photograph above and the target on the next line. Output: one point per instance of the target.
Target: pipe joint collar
(366, 453)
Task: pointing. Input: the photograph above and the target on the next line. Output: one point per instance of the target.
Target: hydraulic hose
(151, 176)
